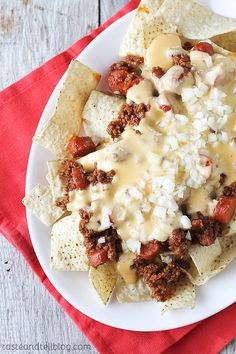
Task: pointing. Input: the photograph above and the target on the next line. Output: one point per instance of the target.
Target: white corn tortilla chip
(183, 297)
(232, 226)
(40, 202)
(133, 42)
(67, 117)
(228, 245)
(195, 21)
(67, 250)
(103, 280)
(154, 27)
(99, 111)
(55, 181)
(204, 256)
(136, 292)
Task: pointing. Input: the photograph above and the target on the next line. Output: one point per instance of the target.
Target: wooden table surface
(31, 32)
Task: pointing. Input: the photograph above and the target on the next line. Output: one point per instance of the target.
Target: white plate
(217, 294)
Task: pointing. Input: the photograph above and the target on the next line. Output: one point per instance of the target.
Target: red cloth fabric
(21, 106)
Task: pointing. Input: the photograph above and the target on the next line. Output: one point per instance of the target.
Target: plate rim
(29, 216)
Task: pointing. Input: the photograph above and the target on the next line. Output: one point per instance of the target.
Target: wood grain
(31, 32)
(109, 8)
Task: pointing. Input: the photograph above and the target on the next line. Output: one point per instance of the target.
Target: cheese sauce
(175, 157)
(158, 52)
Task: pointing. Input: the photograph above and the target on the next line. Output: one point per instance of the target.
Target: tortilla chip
(226, 41)
(67, 250)
(204, 256)
(218, 49)
(55, 181)
(103, 280)
(67, 117)
(133, 42)
(99, 111)
(228, 246)
(232, 226)
(195, 21)
(136, 292)
(40, 202)
(183, 297)
(156, 26)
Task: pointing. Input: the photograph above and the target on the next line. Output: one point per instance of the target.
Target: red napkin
(21, 106)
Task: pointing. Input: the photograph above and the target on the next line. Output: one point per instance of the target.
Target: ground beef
(121, 65)
(124, 74)
(69, 184)
(67, 167)
(158, 72)
(182, 60)
(62, 202)
(183, 263)
(73, 175)
(130, 113)
(205, 230)
(100, 176)
(161, 278)
(133, 60)
(179, 244)
(76, 177)
(230, 191)
(222, 179)
(85, 217)
(111, 247)
(112, 243)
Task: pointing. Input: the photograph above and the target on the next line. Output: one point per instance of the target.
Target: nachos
(142, 192)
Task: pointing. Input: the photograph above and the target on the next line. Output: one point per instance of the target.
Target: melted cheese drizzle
(142, 159)
(158, 52)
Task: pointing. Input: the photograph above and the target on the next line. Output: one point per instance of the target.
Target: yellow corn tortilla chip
(133, 42)
(55, 181)
(195, 21)
(203, 257)
(67, 117)
(183, 297)
(228, 246)
(103, 280)
(226, 41)
(99, 111)
(67, 250)
(40, 202)
(136, 292)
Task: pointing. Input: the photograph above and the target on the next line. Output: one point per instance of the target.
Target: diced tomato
(79, 146)
(79, 178)
(204, 47)
(165, 107)
(225, 209)
(97, 257)
(151, 250)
